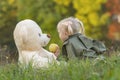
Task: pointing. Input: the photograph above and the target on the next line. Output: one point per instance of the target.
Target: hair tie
(68, 24)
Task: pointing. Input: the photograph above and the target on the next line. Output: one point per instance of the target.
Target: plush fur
(29, 41)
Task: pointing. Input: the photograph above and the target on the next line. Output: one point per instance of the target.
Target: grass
(100, 69)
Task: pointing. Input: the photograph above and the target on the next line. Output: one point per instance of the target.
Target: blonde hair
(71, 25)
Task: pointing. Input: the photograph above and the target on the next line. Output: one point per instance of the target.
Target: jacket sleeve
(92, 44)
(70, 51)
(98, 46)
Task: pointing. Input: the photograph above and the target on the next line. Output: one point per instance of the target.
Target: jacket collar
(71, 36)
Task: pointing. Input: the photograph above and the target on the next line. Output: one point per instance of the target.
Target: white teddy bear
(29, 41)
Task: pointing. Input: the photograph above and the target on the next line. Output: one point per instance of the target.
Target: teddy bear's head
(28, 36)
(69, 26)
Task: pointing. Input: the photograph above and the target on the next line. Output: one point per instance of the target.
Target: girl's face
(62, 34)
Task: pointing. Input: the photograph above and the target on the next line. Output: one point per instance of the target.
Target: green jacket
(80, 46)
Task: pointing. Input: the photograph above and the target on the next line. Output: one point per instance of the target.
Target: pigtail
(81, 26)
(68, 27)
(70, 30)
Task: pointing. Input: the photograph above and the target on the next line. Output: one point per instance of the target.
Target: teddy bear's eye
(39, 34)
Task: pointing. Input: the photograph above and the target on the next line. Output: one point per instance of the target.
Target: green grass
(100, 69)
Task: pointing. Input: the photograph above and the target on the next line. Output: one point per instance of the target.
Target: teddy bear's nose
(48, 35)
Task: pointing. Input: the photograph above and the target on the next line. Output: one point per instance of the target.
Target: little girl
(75, 43)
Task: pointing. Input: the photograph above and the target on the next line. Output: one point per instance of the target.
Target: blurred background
(101, 20)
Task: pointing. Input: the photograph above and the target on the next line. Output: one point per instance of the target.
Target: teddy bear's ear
(23, 34)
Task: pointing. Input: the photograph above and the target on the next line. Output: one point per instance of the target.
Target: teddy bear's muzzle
(48, 35)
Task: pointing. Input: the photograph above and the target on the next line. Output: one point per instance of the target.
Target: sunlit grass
(100, 69)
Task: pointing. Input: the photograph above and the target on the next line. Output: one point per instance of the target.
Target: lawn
(99, 69)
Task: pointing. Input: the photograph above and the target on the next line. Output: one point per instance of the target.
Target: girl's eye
(39, 34)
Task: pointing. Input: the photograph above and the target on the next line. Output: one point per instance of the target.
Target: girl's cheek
(62, 37)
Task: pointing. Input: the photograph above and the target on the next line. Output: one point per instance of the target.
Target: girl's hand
(54, 48)
(57, 52)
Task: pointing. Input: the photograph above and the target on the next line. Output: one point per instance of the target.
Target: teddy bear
(30, 41)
